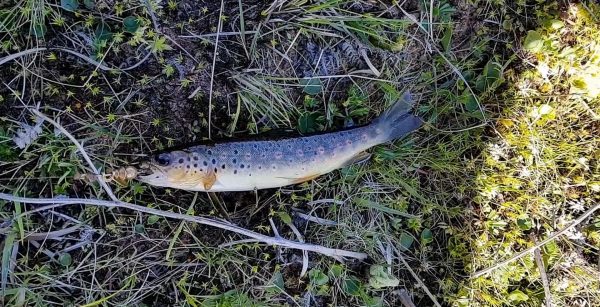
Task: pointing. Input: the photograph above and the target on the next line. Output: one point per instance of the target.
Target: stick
(279, 241)
(520, 255)
(82, 151)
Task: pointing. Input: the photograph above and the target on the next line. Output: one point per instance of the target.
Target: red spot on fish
(321, 150)
(300, 152)
(348, 142)
(278, 155)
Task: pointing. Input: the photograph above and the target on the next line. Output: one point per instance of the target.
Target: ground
(506, 162)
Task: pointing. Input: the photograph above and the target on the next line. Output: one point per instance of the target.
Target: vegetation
(508, 158)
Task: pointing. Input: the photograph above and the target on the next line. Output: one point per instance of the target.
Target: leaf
(469, 101)
(518, 296)
(447, 39)
(285, 217)
(69, 5)
(103, 32)
(336, 270)
(131, 24)
(351, 286)
(406, 241)
(89, 4)
(533, 41)
(139, 228)
(311, 86)
(6, 256)
(524, 223)
(276, 284)
(426, 236)
(317, 277)
(38, 30)
(65, 259)
(153, 219)
(307, 122)
(380, 278)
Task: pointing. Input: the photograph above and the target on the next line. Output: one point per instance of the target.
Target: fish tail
(397, 121)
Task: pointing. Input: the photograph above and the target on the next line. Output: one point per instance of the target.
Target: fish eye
(163, 159)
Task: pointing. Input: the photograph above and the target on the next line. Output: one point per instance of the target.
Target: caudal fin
(397, 121)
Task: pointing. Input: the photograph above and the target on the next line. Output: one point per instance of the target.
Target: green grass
(508, 156)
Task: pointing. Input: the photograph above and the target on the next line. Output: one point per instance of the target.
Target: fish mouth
(148, 172)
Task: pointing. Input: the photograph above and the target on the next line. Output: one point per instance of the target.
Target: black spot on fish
(249, 175)
(223, 166)
(255, 146)
(234, 171)
(214, 161)
(235, 152)
(216, 169)
(241, 165)
(205, 163)
(195, 165)
(234, 161)
(259, 167)
(187, 166)
(181, 160)
(195, 158)
(189, 159)
(209, 152)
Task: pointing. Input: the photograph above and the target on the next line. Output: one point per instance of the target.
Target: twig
(217, 34)
(278, 241)
(540, 263)
(315, 219)
(520, 255)
(99, 177)
(212, 69)
(304, 253)
(416, 277)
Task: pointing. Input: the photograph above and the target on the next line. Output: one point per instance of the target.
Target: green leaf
(89, 4)
(380, 278)
(524, 223)
(38, 30)
(406, 241)
(153, 219)
(426, 236)
(351, 286)
(447, 39)
(311, 86)
(469, 101)
(317, 277)
(285, 217)
(103, 32)
(533, 41)
(276, 284)
(69, 5)
(307, 122)
(139, 228)
(518, 296)
(131, 24)
(65, 259)
(6, 256)
(336, 270)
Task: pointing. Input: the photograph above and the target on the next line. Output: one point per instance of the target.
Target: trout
(261, 164)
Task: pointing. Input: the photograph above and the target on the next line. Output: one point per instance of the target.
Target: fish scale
(250, 165)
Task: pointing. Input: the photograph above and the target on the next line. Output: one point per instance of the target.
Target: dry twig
(277, 240)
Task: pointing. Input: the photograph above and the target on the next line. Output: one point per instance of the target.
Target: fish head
(177, 169)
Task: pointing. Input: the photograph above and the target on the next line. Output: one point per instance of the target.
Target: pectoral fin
(305, 178)
(358, 158)
(209, 180)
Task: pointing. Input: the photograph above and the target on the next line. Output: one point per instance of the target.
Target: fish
(234, 166)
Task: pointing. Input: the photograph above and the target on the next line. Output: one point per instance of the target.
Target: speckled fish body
(250, 165)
